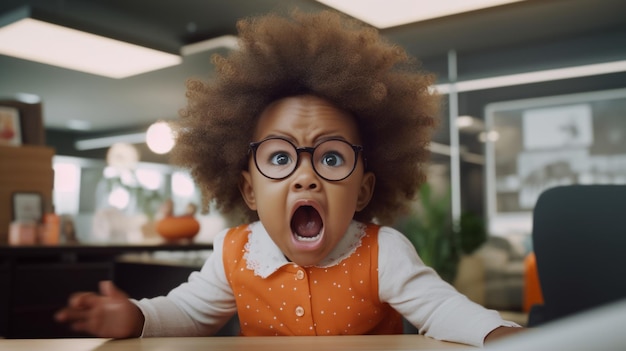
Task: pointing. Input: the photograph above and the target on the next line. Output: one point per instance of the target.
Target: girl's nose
(305, 178)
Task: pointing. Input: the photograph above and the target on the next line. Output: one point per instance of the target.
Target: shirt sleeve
(198, 307)
(432, 305)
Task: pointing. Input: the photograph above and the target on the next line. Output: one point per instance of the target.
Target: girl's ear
(366, 191)
(247, 190)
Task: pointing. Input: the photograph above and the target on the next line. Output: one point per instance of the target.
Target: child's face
(305, 214)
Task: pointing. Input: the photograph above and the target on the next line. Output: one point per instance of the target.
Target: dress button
(299, 311)
(300, 275)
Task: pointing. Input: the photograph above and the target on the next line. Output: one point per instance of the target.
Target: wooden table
(268, 343)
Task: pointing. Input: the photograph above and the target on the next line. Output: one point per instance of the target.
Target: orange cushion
(532, 288)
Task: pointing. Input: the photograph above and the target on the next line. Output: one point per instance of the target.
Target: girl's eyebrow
(279, 136)
(329, 137)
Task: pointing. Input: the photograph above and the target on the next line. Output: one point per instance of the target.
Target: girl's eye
(332, 159)
(280, 158)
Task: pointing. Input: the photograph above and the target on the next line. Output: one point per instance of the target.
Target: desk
(237, 343)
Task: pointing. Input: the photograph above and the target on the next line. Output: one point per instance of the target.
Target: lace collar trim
(264, 257)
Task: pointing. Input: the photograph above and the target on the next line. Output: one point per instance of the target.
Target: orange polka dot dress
(341, 299)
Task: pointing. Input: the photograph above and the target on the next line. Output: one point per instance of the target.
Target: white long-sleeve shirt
(203, 304)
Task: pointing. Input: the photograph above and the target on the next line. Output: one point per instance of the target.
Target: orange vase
(177, 228)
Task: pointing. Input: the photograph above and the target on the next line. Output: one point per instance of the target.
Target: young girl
(314, 130)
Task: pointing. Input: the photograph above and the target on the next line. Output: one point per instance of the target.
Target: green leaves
(429, 228)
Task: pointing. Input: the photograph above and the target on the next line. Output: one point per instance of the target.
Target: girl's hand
(502, 332)
(109, 314)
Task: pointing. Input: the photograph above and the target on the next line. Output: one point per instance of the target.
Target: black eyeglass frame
(253, 146)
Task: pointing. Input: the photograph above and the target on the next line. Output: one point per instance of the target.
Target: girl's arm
(198, 307)
(432, 305)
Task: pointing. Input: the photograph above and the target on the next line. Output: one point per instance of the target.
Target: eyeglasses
(278, 158)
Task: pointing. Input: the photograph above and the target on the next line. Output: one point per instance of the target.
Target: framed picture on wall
(27, 206)
(541, 143)
(10, 131)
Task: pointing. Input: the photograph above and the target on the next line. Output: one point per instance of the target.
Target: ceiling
(114, 104)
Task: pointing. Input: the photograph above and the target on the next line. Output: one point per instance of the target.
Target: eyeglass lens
(332, 159)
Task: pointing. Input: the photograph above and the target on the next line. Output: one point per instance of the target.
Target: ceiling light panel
(390, 13)
(36, 40)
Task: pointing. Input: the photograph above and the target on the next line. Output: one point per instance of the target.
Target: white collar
(264, 257)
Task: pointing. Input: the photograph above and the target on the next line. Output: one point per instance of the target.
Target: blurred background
(534, 91)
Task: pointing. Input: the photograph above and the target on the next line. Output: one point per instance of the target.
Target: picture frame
(27, 206)
(10, 131)
(546, 142)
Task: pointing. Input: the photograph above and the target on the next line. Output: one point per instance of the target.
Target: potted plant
(429, 228)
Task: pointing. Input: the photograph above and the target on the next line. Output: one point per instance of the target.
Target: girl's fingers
(107, 288)
(71, 315)
(80, 320)
(83, 300)
(96, 313)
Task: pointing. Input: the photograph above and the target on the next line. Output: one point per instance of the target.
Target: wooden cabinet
(40, 290)
(5, 287)
(26, 168)
(36, 281)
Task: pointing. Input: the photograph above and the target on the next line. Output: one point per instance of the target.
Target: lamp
(40, 36)
(160, 138)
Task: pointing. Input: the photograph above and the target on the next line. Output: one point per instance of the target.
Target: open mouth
(306, 224)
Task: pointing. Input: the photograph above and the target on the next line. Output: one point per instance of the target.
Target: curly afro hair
(326, 55)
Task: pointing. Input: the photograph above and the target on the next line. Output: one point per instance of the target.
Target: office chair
(579, 239)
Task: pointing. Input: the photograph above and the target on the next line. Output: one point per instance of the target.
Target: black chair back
(579, 239)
